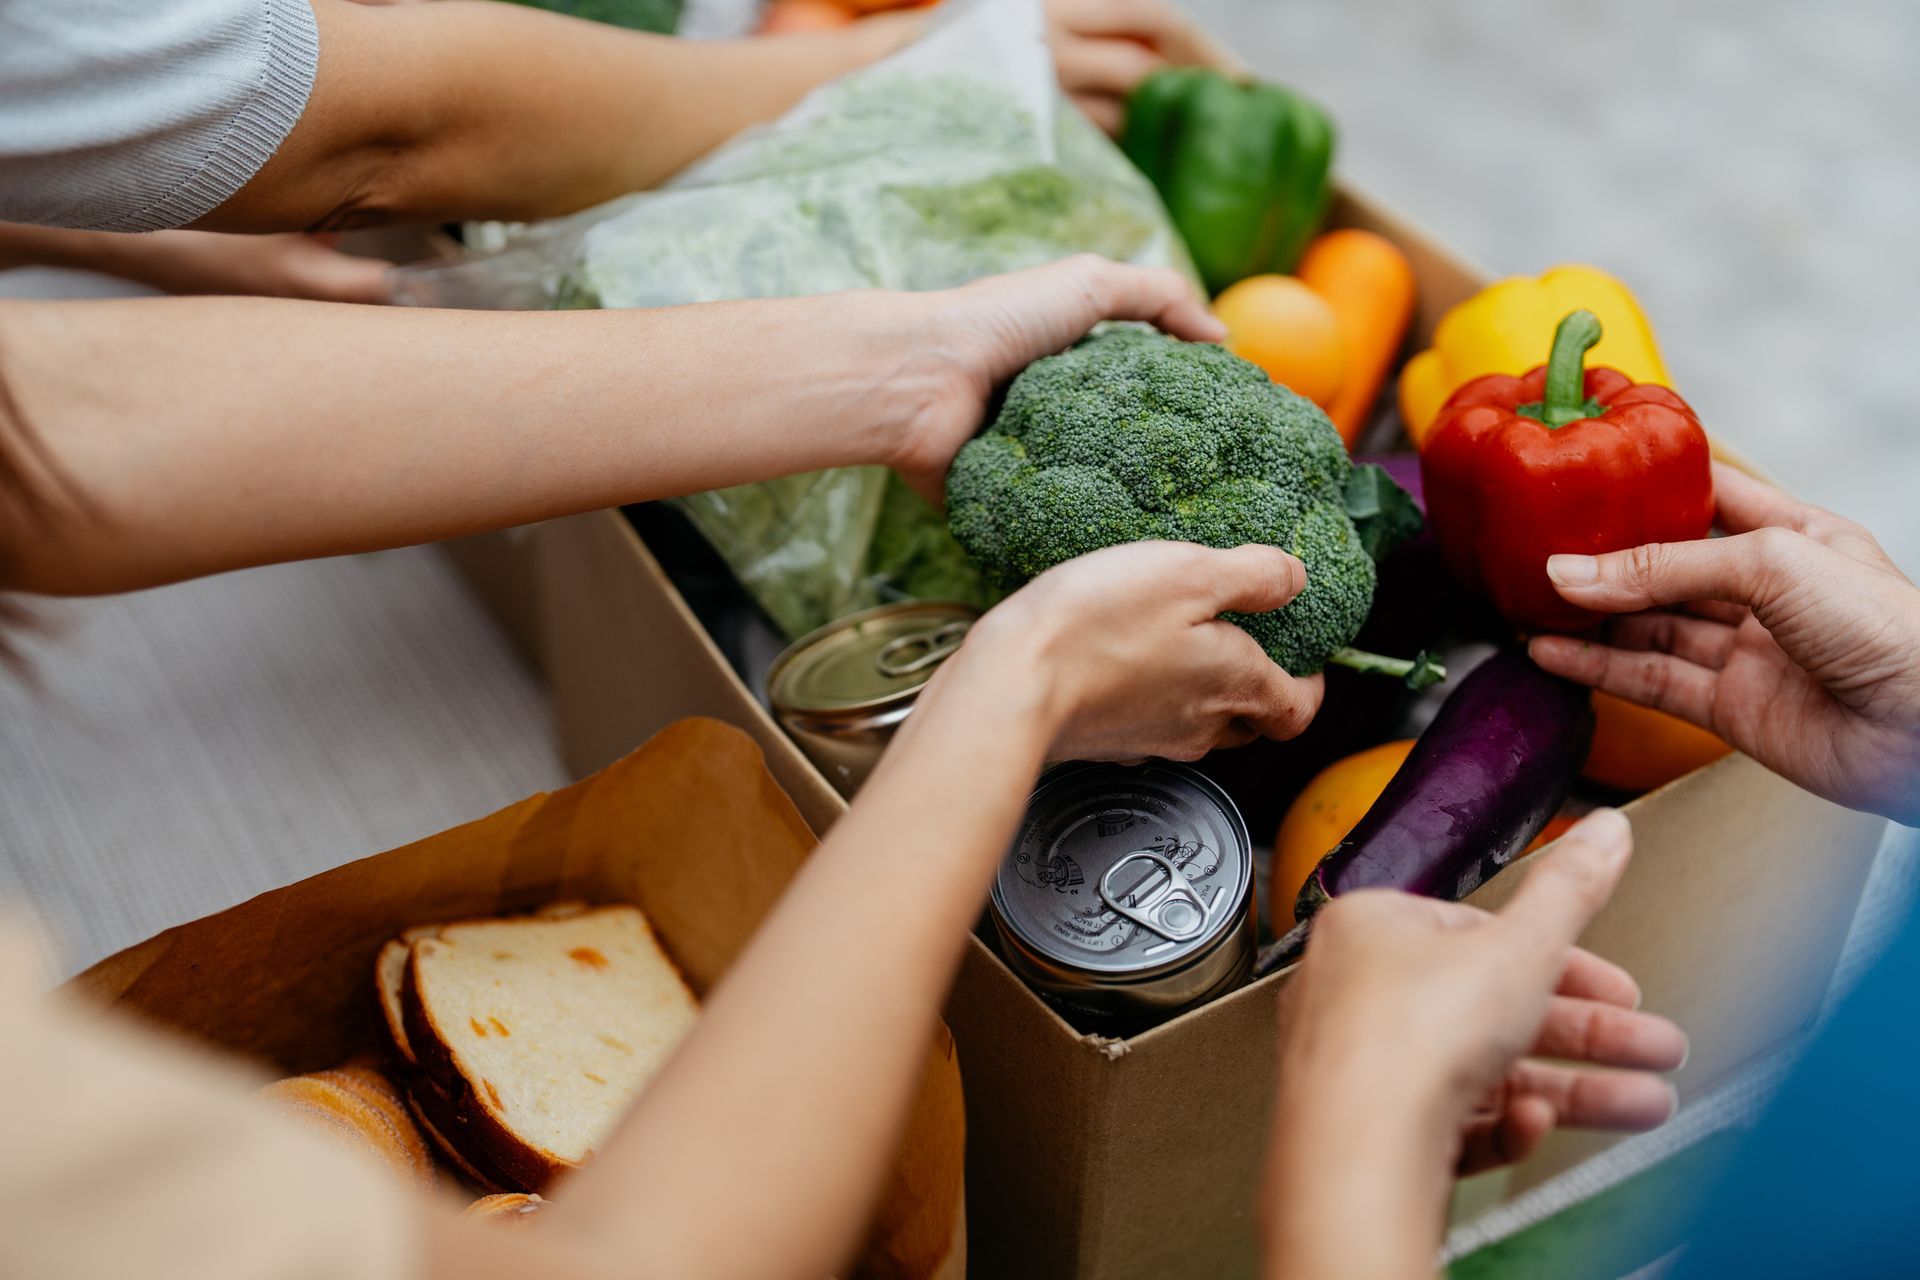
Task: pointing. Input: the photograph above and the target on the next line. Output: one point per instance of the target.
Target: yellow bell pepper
(1507, 328)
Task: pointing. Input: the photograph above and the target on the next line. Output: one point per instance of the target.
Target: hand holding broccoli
(1122, 653)
(1132, 437)
(964, 343)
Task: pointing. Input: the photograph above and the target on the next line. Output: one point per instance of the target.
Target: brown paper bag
(691, 828)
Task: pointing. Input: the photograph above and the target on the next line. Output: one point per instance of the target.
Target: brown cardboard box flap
(690, 827)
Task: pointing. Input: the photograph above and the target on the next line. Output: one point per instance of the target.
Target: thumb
(1737, 570)
(1565, 890)
(1251, 579)
(1097, 288)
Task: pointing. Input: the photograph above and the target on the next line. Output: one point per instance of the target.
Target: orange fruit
(1322, 815)
(1636, 748)
(1287, 329)
(1555, 828)
(785, 16)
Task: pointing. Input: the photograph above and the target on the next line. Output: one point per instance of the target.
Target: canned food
(1128, 894)
(841, 691)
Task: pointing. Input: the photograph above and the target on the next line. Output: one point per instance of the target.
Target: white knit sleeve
(134, 115)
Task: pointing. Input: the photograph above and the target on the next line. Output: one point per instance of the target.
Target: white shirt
(136, 115)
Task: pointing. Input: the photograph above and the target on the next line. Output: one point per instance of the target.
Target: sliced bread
(389, 974)
(542, 1030)
(446, 1130)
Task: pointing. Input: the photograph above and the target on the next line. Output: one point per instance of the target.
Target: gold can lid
(869, 659)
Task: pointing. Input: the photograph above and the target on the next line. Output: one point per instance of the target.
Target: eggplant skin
(1485, 778)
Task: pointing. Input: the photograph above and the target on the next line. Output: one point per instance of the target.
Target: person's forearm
(1355, 1185)
(24, 246)
(782, 1108)
(146, 258)
(197, 436)
(461, 109)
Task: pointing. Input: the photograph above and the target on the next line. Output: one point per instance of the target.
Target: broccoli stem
(1419, 672)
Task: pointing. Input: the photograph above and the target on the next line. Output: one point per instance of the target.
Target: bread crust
(455, 1107)
(389, 965)
(440, 1121)
(482, 1131)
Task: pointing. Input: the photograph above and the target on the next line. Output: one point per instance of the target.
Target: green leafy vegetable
(1384, 514)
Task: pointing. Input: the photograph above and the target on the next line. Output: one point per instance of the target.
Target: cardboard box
(690, 827)
(498, 569)
(1095, 1157)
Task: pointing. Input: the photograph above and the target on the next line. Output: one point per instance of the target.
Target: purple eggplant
(1485, 778)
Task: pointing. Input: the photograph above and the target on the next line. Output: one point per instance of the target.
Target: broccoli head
(1132, 435)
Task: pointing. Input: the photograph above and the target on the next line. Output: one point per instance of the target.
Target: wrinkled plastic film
(954, 159)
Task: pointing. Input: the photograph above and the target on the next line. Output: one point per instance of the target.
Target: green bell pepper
(1243, 167)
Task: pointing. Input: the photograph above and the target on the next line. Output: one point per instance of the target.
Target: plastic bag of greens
(954, 159)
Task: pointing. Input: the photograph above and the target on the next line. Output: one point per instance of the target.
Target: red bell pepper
(1563, 459)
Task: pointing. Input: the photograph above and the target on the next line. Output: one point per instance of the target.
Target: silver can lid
(877, 658)
(1124, 870)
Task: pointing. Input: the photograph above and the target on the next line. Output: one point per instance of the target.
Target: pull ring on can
(1127, 897)
(1168, 906)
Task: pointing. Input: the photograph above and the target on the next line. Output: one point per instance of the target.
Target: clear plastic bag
(954, 159)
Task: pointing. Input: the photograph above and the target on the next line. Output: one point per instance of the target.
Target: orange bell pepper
(1636, 748)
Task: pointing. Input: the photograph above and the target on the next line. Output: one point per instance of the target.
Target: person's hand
(961, 344)
(1102, 49)
(203, 262)
(1797, 640)
(271, 266)
(1410, 1047)
(1125, 650)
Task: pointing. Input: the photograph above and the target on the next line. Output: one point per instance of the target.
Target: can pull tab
(1161, 900)
(911, 654)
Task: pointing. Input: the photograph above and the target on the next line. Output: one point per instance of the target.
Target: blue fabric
(1828, 1183)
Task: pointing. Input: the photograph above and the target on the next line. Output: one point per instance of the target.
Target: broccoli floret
(1133, 435)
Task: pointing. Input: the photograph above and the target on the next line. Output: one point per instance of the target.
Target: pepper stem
(1566, 394)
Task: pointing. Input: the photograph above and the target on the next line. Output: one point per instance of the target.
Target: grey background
(1749, 167)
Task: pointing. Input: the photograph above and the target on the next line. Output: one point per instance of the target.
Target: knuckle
(1663, 630)
(1773, 545)
(1645, 562)
(1290, 714)
(1655, 675)
(1771, 555)
(1824, 526)
(1190, 750)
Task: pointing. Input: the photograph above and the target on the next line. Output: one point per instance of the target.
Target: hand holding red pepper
(1563, 459)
